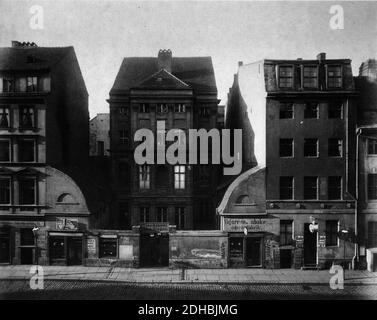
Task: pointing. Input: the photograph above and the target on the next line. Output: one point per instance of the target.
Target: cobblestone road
(68, 289)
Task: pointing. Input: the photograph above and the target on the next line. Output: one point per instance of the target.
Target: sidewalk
(166, 275)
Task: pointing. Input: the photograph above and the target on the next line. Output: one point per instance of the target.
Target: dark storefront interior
(154, 249)
(65, 250)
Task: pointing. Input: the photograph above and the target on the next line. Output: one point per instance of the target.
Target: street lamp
(344, 232)
(35, 233)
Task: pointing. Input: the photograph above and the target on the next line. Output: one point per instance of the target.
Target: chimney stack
(240, 63)
(165, 59)
(18, 44)
(321, 56)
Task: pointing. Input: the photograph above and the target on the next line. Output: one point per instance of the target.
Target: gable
(162, 80)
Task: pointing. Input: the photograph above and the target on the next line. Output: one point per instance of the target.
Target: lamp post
(35, 233)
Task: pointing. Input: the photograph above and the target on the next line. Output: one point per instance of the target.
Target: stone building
(156, 200)
(100, 135)
(298, 121)
(366, 181)
(44, 141)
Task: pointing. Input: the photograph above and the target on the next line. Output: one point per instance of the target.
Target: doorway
(285, 258)
(154, 249)
(310, 246)
(254, 252)
(74, 254)
(65, 250)
(27, 246)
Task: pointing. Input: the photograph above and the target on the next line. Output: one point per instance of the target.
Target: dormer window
(285, 77)
(310, 77)
(31, 84)
(4, 117)
(334, 77)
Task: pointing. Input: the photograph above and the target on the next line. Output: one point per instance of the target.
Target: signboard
(67, 224)
(126, 251)
(156, 226)
(249, 225)
(91, 245)
(322, 241)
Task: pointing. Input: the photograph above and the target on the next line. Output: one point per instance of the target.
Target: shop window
(144, 214)
(144, 177)
(286, 111)
(286, 235)
(332, 228)
(286, 148)
(310, 147)
(5, 187)
(372, 186)
(310, 188)
(26, 150)
(108, 247)
(57, 248)
(162, 214)
(180, 218)
(27, 117)
(335, 110)
(7, 84)
(335, 147)
(311, 111)
(27, 191)
(179, 177)
(335, 188)
(310, 77)
(286, 188)
(285, 76)
(236, 247)
(372, 146)
(5, 150)
(334, 77)
(4, 117)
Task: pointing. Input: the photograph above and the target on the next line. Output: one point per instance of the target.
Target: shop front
(66, 248)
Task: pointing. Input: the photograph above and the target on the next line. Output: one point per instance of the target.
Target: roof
(196, 72)
(31, 58)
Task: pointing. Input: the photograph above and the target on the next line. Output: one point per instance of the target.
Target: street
(77, 289)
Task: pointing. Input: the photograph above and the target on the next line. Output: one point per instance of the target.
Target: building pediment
(162, 80)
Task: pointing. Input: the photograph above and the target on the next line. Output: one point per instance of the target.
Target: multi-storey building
(182, 93)
(298, 121)
(366, 84)
(44, 140)
(100, 135)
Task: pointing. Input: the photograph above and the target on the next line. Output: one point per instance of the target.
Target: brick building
(44, 140)
(298, 120)
(159, 198)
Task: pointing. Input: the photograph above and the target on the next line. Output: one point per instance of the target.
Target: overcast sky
(103, 32)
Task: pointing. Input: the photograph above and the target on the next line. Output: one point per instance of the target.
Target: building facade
(100, 135)
(44, 141)
(298, 120)
(156, 199)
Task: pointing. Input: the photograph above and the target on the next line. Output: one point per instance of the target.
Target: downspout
(356, 256)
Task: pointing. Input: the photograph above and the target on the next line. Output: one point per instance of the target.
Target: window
(26, 150)
(372, 146)
(310, 147)
(8, 84)
(335, 147)
(335, 110)
(310, 77)
(144, 108)
(123, 136)
(372, 234)
(334, 188)
(162, 108)
(4, 117)
(372, 186)
(4, 150)
(57, 248)
(123, 111)
(31, 84)
(27, 237)
(100, 148)
(162, 176)
(144, 214)
(286, 147)
(311, 111)
(162, 214)
(285, 76)
(180, 218)
(334, 77)
(310, 188)
(179, 177)
(332, 232)
(107, 247)
(179, 108)
(286, 111)
(144, 177)
(204, 112)
(5, 190)
(27, 119)
(286, 188)
(27, 191)
(286, 237)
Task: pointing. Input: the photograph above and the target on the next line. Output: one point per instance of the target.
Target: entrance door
(74, 253)
(154, 249)
(4, 249)
(26, 255)
(285, 258)
(310, 246)
(253, 252)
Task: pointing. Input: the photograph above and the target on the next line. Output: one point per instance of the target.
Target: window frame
(288, 240)
(310, 104)
(33, 85)
(291, 187)
(144, 212)
(332, 105)
(9, 116)
(328, 78)
(179, 108)
(179, 177)
(162, 214)
(340, 187)
(34, 150)
(144, 170)
(34, 179)
(371, 184)
(144, 108)
(374, 153)
(9, 179)
(306, 188)
(284, 104)
(329, 148)
(306, 146)
(21, 125)
(311, 77)
(9, 149)
(280, 77)
(332, 233)
(292, 147)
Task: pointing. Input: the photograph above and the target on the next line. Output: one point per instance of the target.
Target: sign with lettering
(91, 245)
(156, 226)
(251, 224)
(67, 224)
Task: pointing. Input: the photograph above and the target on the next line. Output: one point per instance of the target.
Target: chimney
(321, 56)
(240, 63)
(164, 59)
(18, 44)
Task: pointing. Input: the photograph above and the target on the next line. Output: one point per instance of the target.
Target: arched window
(66, 198)
(244, 199)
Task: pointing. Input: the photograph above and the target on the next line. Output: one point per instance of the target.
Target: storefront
(66, 248)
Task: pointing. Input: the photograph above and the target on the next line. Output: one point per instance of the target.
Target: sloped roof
(163, 79)
(31, 58)
(197, 72)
